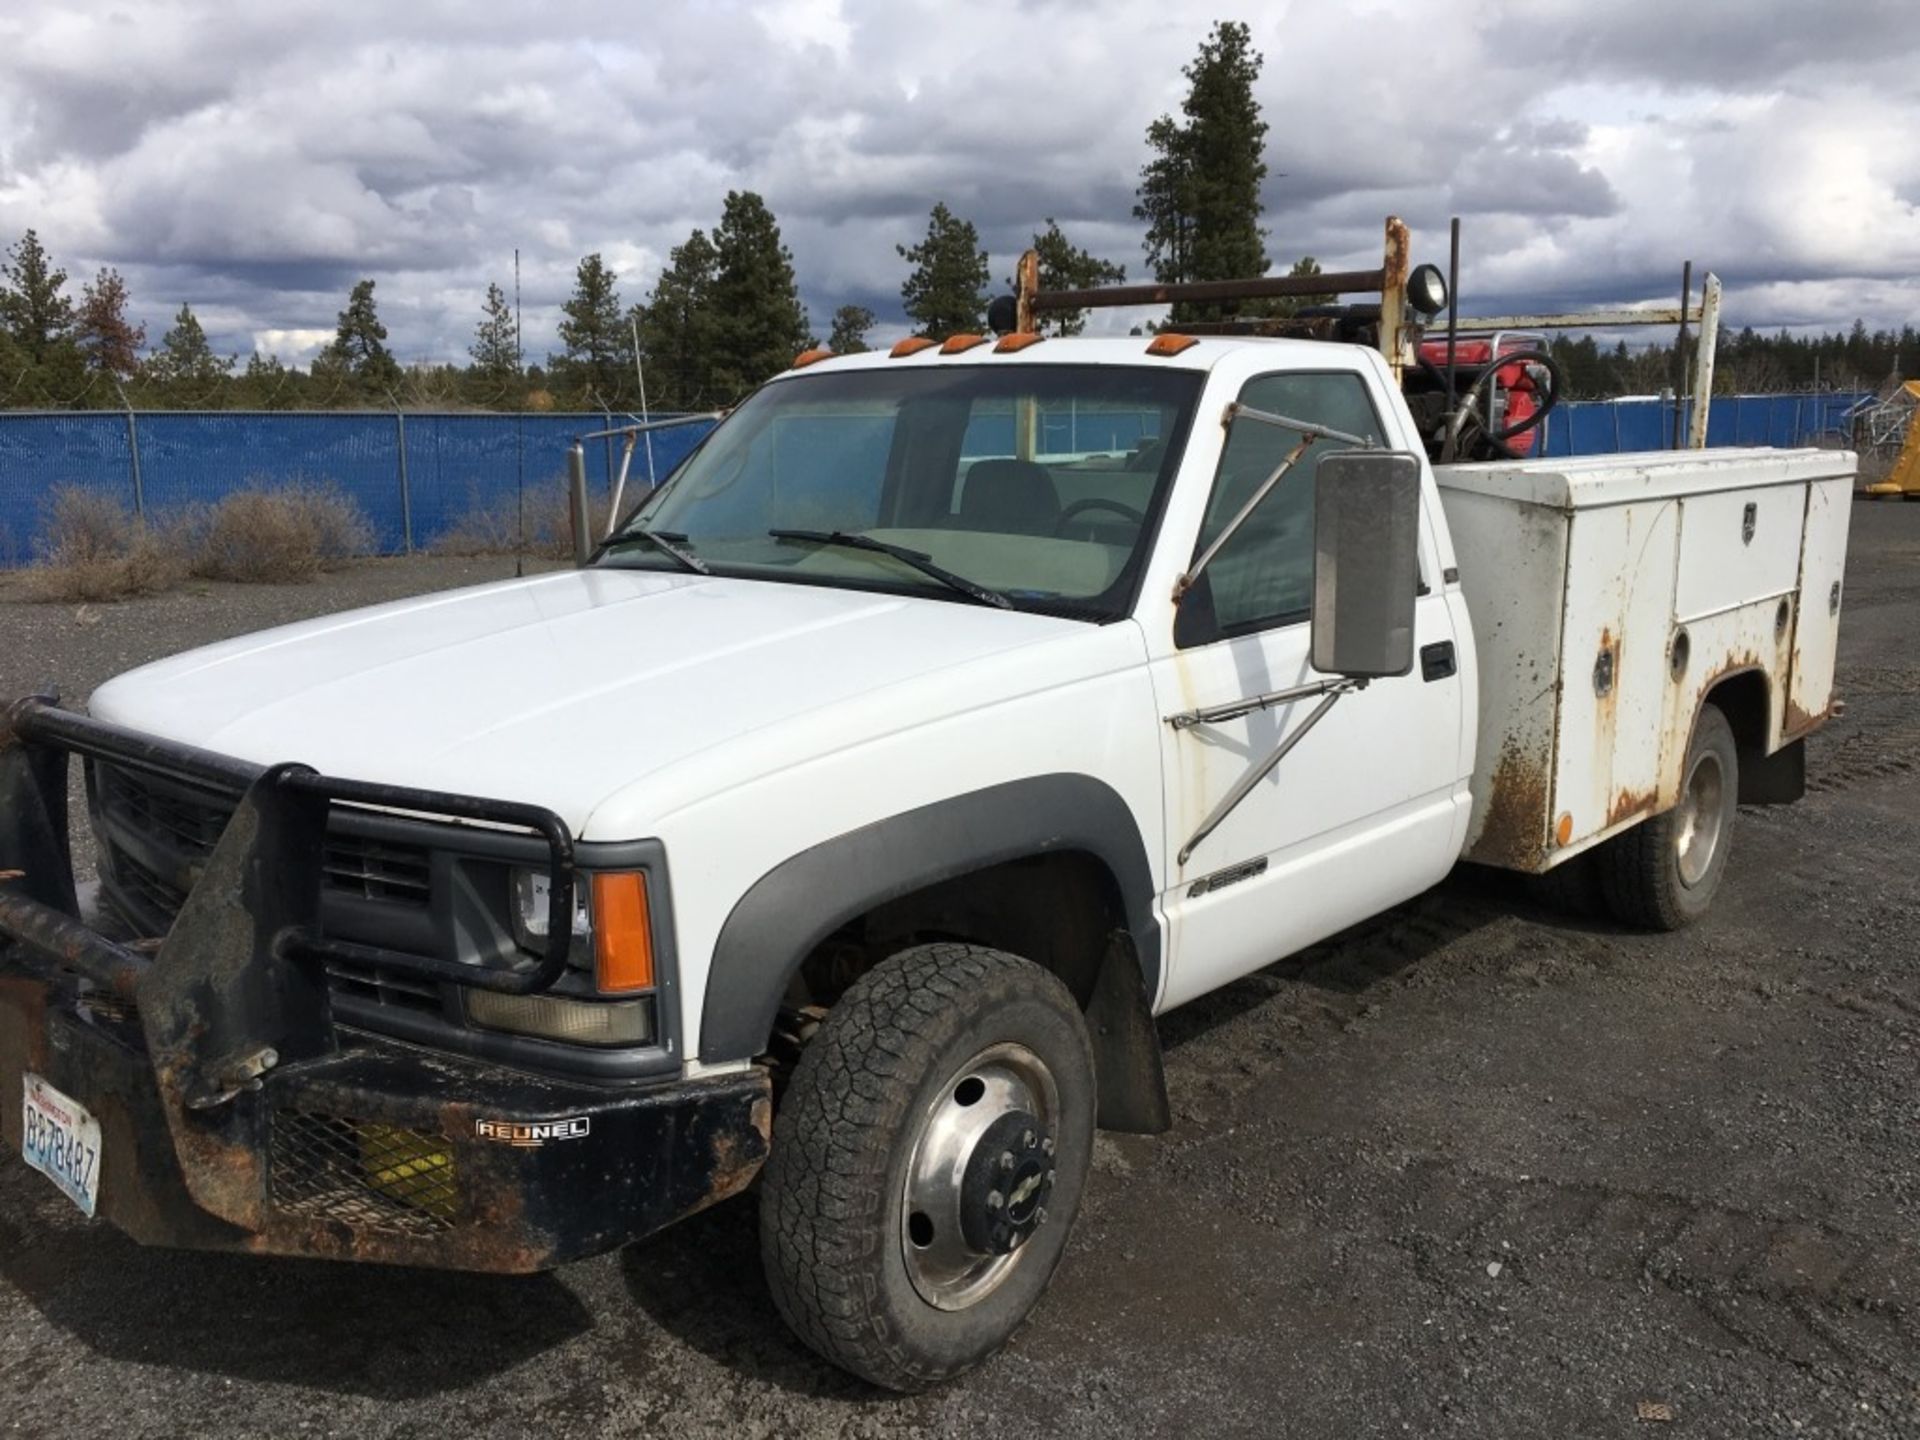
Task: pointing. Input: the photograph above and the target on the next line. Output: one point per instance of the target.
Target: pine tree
(945, 293)
(1283, 305)
(185, 366)
(1065, 266)
(359, 342)
(1200, 193)
(594, 365)
(850, 326)
(759, 320)
(35, 313)
(679, 328)
(106, 337)
(267, 384)
(496, 340)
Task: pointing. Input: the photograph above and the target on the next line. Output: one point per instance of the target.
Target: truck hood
(562, 689)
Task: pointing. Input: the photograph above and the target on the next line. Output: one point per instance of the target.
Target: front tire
(1663, 873)
(928, 1160)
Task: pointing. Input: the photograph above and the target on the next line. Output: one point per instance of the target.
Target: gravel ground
(1472, 1169)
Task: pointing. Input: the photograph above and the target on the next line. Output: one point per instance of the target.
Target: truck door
(1366, 810)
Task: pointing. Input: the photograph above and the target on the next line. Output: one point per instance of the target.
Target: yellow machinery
(1904, 479)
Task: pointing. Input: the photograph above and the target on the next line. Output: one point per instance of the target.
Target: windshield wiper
(667, 542)
(915, 558)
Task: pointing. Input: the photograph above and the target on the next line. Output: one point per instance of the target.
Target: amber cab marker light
(1170, 344)
(1019, 340)
(912, 345)
(956, 343)
(622, 938)
(811, 357)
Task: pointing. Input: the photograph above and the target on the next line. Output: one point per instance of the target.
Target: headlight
(612, 926)
(532, 896)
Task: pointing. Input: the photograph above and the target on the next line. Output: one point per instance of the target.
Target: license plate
(62, 1141)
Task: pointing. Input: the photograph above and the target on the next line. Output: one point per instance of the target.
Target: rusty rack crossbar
(1204, 292)
(44, 731)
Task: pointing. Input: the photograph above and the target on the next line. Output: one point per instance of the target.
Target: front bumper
(236, 1114)
(379, 1152)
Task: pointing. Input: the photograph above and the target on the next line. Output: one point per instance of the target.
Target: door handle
(1436, 661)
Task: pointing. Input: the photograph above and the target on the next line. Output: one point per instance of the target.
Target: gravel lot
(1473, 1169)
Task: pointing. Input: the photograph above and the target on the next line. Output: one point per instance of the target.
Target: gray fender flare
(804, 899)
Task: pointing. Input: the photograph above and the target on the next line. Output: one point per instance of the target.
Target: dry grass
(495, 529)
(93, 548)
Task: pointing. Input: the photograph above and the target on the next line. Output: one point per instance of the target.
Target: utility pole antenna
(640, 373)
(520, 434)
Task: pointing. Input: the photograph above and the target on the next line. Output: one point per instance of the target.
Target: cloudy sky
(254, 159)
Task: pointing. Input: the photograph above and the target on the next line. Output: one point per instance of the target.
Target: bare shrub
(496, 529)
(93, 548)
(264, 536)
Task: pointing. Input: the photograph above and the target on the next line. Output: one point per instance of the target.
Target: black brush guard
(235, 1114)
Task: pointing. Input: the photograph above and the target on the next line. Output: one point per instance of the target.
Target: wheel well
(1058, 909)
(1778, 778)
(1745, 701)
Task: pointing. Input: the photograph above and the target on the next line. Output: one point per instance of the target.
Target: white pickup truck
(845, 821)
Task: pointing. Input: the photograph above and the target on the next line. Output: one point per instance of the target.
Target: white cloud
(256, 160)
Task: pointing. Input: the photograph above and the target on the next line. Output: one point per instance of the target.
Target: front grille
(385, 987)
(150, 891)
(157, 831)
(376, 871)
(363, 1174)
(187, 823)
(180, 818)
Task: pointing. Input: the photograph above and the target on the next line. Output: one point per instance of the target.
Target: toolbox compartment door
(1816, 635)
(1736, 547)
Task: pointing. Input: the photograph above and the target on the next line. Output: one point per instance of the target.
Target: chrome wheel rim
(979, 1176)
(1702, 818)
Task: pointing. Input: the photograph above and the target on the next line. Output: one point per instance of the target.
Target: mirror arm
(1219, 714)
(1312, 431)
(1308, 433)
(1331, 690)
(1187, 581)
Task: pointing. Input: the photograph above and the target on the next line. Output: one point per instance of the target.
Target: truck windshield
(1039, 483)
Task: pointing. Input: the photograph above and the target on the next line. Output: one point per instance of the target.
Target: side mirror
(1366, 562)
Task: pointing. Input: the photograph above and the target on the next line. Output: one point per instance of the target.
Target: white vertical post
(1703, 362)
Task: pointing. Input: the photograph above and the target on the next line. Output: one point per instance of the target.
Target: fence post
(406, 490)
(607, 441)
(133, 454)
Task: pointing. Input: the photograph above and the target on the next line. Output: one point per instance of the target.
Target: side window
(1264, 576)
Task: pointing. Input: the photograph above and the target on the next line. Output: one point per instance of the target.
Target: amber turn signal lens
(1168, 343)
(622, 938)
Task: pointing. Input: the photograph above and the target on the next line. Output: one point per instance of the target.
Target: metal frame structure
(1397, 331)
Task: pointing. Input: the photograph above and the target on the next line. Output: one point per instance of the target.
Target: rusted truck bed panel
(1609, 596)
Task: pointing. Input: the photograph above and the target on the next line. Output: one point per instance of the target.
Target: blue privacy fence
(418, 475)
(415, 475)
(1605, 427)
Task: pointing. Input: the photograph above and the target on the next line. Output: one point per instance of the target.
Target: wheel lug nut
(995, 1200)
(1006, 1160)
(1047, 1145)
(1049, 1177)
(1039, 1216)
(1026, 1140)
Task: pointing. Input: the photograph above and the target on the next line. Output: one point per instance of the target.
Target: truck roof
(1206, 352)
